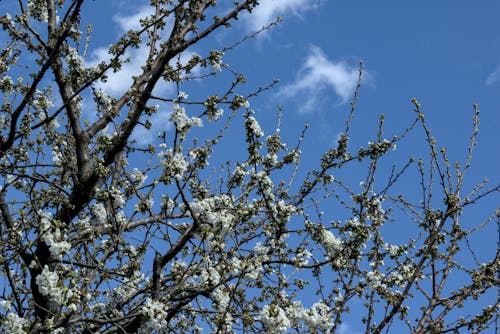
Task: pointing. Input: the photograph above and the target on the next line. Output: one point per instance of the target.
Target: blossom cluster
(53, 237)
(14, 324)
(181, 120)
(48, 285)
(38, 10)
(277, 319)
(156, 314)
(174, 165)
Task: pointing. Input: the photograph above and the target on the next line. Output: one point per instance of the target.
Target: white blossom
(14, 324)
(52, 125)
(236, 266)
(331, 242)
(138, 177)
(214, 211)
(5, 304)
(397, 279)
(6, 83)
(254, 127)
(221, 298)
(57, 157)
(99, 212)
(130, 285)
(302, 257)
(120, 218)
(209, 276)
(117, 197)
(145, 204)
(45, 220)
(254, 269)
(179, 165)
(57, 246)
(393, 250)
(374, 279)
(38, 10)
(103, 99)
(215, 60)
(196, 121)
(47, 282)
(156, 314)
(74, 59)
(3, 121)
(318, 317)
(260, 249)
(215, 114)
(181, 120)
(274, 319)
(295, 312)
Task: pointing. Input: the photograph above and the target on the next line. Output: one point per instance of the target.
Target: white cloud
(318, 74)
(493, 77)
(269, 10)
(133, 21)
(120, 81)
(159, 122)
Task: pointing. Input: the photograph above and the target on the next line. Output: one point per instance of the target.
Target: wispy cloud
(127, 22)
(269, 10)
(159, 122)
(493, 77)
(319, 75)
(121, 80)
(118, 82)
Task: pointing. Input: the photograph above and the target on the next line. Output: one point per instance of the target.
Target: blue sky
(446, 54)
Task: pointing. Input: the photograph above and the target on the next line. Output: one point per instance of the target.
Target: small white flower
(117, 197)
(14, 324)
(179, 165)
(254, 127)
(274, 318)
(221, 298)
(318, 317)
(57, 157)
(330, 241)
(47, 285)
(57, 247)
(99, 212)
(72, 307)
(156, 314)
(138, 177)
(5, 304)
(215, 114)
(196, 121)
(38, 10)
